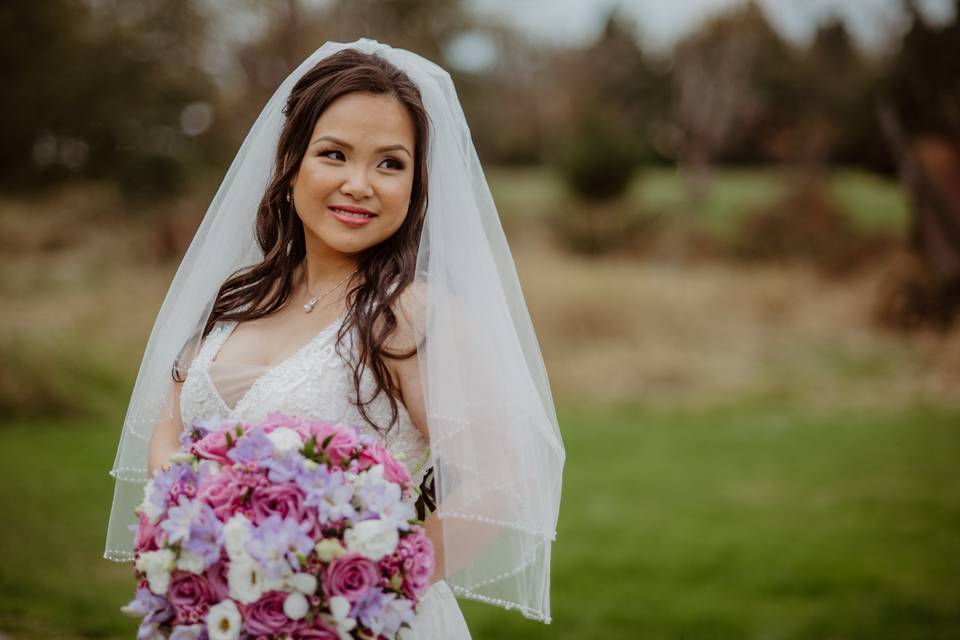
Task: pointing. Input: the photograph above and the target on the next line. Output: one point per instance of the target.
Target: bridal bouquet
(287, 528)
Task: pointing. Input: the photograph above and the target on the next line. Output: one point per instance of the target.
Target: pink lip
(347, 220)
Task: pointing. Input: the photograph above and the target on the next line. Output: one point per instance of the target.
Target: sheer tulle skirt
(439, 616)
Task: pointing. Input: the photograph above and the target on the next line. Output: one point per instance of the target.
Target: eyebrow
(342, 143)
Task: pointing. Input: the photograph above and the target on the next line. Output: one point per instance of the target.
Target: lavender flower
(396, 612)
(155, 609)
(181, 518)
(382, 499)
(275, 543)
(327, 491)
(206, 536)
(254, 447)
(283, 469)
(368, 609)
(163, 481)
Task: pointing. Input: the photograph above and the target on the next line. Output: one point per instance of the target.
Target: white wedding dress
(314, 381)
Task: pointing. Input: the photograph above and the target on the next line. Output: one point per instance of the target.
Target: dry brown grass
(82, 283)
(661, 331)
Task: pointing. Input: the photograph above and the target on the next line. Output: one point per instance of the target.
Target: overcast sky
(660, 22)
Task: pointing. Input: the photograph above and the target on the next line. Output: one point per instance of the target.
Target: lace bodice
(312, 382)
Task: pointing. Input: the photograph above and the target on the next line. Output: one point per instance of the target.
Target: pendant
(308, 307)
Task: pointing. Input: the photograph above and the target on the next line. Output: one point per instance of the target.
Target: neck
(324, 270)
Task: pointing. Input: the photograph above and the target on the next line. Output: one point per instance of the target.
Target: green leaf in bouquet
(310, 447)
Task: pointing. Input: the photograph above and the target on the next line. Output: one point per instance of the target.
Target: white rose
(245, 580)
(157, 565)
(284, 440)
(189, 561)
(303, 582)
(147, 508)
(236, 532)
(223, 621)
(295, 606)
(373, 539)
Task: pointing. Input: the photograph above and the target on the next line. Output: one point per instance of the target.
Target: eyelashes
(399, 163)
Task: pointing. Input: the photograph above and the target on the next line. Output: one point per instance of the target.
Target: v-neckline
(268, 370)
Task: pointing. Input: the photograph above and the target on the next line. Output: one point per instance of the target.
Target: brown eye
(399, 165)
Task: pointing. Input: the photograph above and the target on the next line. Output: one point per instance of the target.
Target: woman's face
(360, 156)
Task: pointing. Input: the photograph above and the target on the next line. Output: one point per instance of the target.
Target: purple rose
(266, 616)
(350, 576)
(190, 596)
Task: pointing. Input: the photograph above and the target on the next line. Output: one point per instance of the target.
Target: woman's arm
(166, 435)
(406, 373)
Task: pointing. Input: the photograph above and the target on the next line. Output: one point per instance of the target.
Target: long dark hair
(387, 268)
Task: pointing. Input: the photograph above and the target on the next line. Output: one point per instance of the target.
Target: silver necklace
(312, 302)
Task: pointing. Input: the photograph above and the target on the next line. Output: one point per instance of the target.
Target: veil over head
(494, 440)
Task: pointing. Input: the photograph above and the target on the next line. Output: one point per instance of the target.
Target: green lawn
(753, 520)
(873, 203)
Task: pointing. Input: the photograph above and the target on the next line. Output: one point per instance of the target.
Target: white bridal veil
(494, 440)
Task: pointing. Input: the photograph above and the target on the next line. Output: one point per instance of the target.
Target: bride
(352, 268)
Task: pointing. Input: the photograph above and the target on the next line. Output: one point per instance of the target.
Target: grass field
(749, 455)
(748, 520)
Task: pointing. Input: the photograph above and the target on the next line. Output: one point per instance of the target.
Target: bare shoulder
(409, 308)
(410, 311)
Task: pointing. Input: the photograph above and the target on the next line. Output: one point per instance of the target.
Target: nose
(356, 185)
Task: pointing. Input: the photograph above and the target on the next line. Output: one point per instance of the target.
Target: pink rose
(350, 576)
(190, 596)
(213, 446)
(284, 499)
(343, 442)
(147, 539)
(221, 492)
(266, 616)
(393, 469)
(276, 419)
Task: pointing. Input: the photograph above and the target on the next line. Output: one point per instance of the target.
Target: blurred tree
(105, 89)
(836, 120)
(923, 84)
(715, 89)
(614, 91)
(920, 114)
